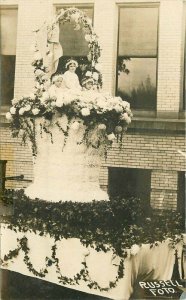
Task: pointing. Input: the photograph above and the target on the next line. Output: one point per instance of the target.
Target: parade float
(65, 229)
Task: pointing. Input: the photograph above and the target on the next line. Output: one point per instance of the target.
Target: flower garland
(83, 274)
(80, 21)
(122, 225)
(104, 115)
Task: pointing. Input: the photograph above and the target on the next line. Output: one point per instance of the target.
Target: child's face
(58, 82)
(82, 67)
(89, 85)
(72, 68)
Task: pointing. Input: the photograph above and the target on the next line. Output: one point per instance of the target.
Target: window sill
(159, 123)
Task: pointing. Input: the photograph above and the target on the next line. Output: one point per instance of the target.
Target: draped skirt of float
(65, 170)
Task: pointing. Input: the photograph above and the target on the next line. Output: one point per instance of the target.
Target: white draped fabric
(150, 264)
(65, 171)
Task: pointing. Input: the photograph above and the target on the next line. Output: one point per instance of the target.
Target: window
(130, 182)
(181, 193)
(73, 41)
(184, 81)
(137, 56)
(8, 24)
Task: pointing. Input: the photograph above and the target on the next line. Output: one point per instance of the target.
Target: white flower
(88, 37)
(126, 104)
(39, 72)
(35, 111)
(128, 120)
(102, 127)
(21, 132)
(111, 137)
(88, 74)
(93, 37)
(101, 102)
(118, 129)
(21, 111)
(85, 112)
(32, 96)
(14, 101)
(59, 102)
(124, 116)
(37, 56)
(75, 17)
(134, 249)
(45, 95)
(53, 103)
(75, 125)
(27, 107)
(13, 110)
(8, 116)
(95, 76)
(118, 108)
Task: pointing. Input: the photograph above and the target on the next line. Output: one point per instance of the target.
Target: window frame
(140, 112)
(5, 108)
(183, 84)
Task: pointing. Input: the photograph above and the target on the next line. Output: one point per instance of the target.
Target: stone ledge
(158, 125)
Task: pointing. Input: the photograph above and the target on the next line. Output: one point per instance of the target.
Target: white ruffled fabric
(67, 172)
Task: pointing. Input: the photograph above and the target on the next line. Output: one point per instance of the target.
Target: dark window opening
(137, 56)
(73, 41)
(181, 193)
(184, 81)
(7, 63)
(126, 182)
(8, 24)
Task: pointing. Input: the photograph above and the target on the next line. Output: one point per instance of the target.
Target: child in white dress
(57, 88)
(71, 79)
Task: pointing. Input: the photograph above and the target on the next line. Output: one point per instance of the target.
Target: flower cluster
(26, 105)
(105, 117)
(40, 71)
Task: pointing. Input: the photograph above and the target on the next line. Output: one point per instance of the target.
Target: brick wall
(19, 159)
(169, 55)
(31, 15)
(160, 154)
(157, 152)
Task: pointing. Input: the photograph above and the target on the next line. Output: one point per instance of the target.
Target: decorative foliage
(80, 21)
(53, 260)
(122, 225)
(106, 118)
(118, 223)
(121, 65)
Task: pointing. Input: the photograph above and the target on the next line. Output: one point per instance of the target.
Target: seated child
(71, 79)
(57, 88)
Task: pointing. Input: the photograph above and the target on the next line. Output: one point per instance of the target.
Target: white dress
(71, 81)
(55, 91)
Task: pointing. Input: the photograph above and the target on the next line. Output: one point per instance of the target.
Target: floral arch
(48, 50)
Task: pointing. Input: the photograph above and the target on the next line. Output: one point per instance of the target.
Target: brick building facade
(151, 161)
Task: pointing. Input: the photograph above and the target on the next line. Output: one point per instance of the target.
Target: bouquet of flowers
(105, 117)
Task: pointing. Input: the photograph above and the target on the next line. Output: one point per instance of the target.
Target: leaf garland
(118, 223)
(82, 275)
